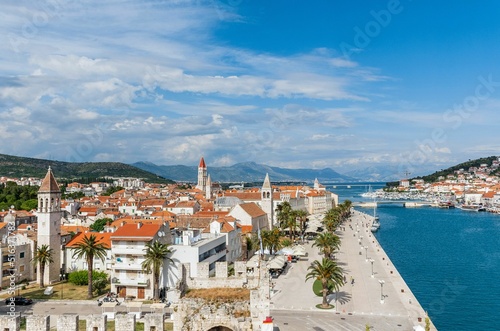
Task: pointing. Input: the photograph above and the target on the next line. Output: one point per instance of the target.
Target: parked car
(19, 301)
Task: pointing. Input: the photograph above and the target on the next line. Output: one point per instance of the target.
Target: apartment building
(128, 250)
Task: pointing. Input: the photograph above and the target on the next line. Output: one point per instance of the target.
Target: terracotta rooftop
(252, 209)
(104, 238)
(133, 232)
(202, 163)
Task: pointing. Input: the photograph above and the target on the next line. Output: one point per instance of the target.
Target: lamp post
(62, 278)
(381, 290)
(19, 284)
(366, 253)
(372, 260)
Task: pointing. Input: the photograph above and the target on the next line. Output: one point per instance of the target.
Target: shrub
(80, 277)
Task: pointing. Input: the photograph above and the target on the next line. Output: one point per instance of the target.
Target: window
(21, 255)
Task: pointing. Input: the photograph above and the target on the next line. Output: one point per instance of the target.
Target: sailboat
(376, 222)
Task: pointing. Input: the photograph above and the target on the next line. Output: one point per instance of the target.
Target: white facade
(250, 216)
(191, 246)
(128, 250)
(233, 239)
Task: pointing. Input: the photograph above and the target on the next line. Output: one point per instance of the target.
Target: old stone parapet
(38, 322)
(69, 322)
(221, 279)
(198, 314)
(10, 323)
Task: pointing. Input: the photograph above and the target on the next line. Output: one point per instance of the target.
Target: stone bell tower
(266, 200)
(49, 225)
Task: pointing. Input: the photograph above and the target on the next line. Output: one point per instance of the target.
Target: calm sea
(449, 258)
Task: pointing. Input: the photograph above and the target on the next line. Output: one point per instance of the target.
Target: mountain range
(243, 172)
(16, 166)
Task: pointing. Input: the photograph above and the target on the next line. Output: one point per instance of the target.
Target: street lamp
(372, 260)
(62, 278)
(366, 253)
(19, 284)
(381, 290)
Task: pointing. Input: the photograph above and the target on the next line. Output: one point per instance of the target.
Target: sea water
(449, 258)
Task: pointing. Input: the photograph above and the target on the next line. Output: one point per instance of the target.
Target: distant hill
(464, 165)
(15, 166)
(244, 172)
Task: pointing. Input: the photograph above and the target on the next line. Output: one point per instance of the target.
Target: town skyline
(398, 84)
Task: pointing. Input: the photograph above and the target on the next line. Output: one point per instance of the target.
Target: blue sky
(401, 85)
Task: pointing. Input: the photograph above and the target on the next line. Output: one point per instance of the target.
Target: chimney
(139, 224)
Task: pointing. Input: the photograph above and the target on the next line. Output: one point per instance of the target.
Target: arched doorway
(220, 328)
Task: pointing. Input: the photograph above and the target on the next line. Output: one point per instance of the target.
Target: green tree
(271, 239)
(301, 216)
(112, 190)
(329, 274)
(87, 249)
(29, 204)
(100, 223)
(99, 285)
(156, 254)
(42, 257)
(283, 213)
(327, 242)
(251, 243)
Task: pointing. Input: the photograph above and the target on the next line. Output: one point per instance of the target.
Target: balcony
(128, 250)
(127, 265)
(140, 282)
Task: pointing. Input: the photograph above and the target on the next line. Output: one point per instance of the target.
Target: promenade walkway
(382, 301)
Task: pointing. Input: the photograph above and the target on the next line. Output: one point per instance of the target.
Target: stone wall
(69, 322)
(199, 315)
(10, 323)
(221, 279)
(153, 322)
(96, 321)
(38, 323)
(125, 322)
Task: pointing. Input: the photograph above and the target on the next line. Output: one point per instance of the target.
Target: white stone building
(192, 246)
(128, 249)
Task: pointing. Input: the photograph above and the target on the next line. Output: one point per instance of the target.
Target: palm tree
(329, 274)
(301, 216)
(252, 243)
(42, 257)
(156, 254)
(89, 248)
(332, 219)
(271, 239)
(282, 214)
(327, 242)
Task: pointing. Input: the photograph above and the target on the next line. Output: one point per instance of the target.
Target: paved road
(293, 302)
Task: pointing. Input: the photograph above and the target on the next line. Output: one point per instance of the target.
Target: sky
(412, 86)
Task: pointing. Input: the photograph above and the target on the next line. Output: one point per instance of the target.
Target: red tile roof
(202, 163)
(104, 238)
(252, 209)
(132, 232)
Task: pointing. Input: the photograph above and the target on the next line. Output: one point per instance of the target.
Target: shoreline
(391, 275)
(362, 301)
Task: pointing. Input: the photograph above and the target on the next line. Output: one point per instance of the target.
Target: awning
(277, 262)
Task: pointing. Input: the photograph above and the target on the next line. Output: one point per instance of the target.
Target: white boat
(472, 207)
